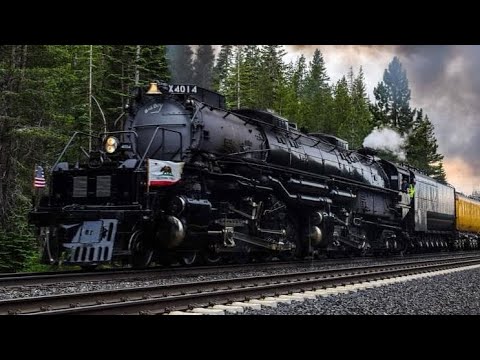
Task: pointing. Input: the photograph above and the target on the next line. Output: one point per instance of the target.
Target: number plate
(182, 89)
(90, 232)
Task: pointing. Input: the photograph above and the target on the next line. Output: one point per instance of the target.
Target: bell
(153, 90)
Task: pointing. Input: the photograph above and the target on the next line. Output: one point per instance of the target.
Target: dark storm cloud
(426, 63)
(445, 81)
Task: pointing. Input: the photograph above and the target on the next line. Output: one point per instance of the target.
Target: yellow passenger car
(467, 214)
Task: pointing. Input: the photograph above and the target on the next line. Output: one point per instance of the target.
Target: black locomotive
(186, 179)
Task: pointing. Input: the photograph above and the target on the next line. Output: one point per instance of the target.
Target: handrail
(68, 145)
(103, 134)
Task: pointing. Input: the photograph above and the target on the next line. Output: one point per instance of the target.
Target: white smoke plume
(386, 139)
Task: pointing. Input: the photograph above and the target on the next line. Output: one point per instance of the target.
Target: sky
(445, 82)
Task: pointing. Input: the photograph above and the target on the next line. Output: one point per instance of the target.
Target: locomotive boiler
(188, 180)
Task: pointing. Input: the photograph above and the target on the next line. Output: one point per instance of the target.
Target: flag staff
(38, 182)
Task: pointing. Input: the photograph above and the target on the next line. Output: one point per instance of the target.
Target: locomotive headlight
(111, 144)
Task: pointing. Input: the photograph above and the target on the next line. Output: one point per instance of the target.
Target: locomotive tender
(186, 179)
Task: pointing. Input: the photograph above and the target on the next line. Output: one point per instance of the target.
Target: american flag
(39, 181)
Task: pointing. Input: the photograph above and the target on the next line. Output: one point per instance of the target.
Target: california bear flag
(164, 173)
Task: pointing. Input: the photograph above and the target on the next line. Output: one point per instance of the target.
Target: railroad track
(183, 296)
(47, 278)
(72, 276)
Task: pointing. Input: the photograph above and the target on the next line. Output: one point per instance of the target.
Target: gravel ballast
(452, 294)
(13, 292)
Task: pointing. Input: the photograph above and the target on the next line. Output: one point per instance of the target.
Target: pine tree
(299, 74)
(439, 173)
(285, 95)
(118, 76)
(220, 71)
(294, 86)
(232, 86)
(118, 70)
(270, 75)
(203, 66)
(342, 111)
(417, 143)
(317, 78)
(36, 82)
(380, 110)
(422, 150)
(242, 85)
(362, 122)
(250, 70)
(317, 104)
(392, 96)
(152, 64)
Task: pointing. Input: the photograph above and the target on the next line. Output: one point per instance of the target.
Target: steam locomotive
(188, 180)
